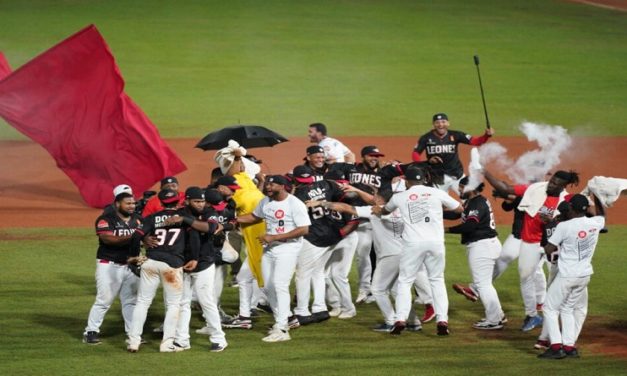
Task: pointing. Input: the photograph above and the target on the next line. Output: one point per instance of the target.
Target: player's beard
(125, 214)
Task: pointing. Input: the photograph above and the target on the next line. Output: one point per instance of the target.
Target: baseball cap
(440, 116)
(277, 179)
(414, 173)
(194, 193)
(303, 174)
(168, 196)
(228, 181)
(371, 150)
(315, 149)
(579, 203)
(169, 180)
(335, 174)
(563, 207)
(122, 188)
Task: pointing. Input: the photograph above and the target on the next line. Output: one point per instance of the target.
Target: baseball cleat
(292, 322)
(442, 328)
(264, 307)
(132, 349)
(335, 312)
(347, 315)
(486, 325)
(385, 328)
(399, 326)
(277, 335)
(91, 338)
(414, 327)
(541, 344)
(361, 297)
(531, 322)
(180, 347)
(218, 347)
(572, 353)
(551, 353)
(429, 313)
(240, 322)
(320, 316)
(305, 320)
(466, 291)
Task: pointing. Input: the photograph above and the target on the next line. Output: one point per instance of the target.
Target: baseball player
(334, 150)
(113, 277)
(201, 279)
(315, 159)
(154, 205)
(577, 239)
(287, 222)
(539, 201)
(440, 146)
(423, 243)
(321, 236)
(478, 233)
(165, 263)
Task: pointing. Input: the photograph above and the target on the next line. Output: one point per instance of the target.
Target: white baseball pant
(432, 255)
(153, 272)
(337, 270)
(531, 257)
(422, 287)
(245, 279)
(310, 275)
(564, 296)
(363, 248)
(278, 265)
(203, 283)
(218, 281)
(112, 280)
(482, 256)
(383, 280)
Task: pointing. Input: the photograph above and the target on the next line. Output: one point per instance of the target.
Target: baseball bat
(485, 109)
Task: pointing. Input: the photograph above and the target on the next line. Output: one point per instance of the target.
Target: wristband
(188, 220)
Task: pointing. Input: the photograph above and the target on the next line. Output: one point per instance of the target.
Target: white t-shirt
(333, 149)
(577, 239)
(282, 216)
(421, 211)
(387, 231)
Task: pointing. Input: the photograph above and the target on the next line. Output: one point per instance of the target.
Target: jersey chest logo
(279, 214)
(582, 234)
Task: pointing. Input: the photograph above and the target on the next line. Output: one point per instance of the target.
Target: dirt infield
(35, 193)
(618, 5)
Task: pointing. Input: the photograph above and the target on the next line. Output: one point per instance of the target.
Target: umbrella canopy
(248, 136)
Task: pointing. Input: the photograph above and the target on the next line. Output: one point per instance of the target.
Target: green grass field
(48, 288)
(362, 67)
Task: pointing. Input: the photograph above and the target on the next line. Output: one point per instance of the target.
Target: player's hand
(313, 203)
(435, 160)
(377, 210)
(174, 220)
(219, 229)
(489, 132)
(191, 265)
(266, 239)
(151, 241)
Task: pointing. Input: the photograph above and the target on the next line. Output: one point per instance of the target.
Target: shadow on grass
(87, 284)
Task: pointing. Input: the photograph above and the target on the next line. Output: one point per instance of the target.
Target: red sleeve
(152, 206)
(520, 189)
(479, 140)
(415, 156)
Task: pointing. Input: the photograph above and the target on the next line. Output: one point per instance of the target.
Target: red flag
(70, 100)
(5, 68)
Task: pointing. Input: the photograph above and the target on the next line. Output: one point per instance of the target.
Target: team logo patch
(413, 197)
(279, 214)
(102, 224)
(582, 234)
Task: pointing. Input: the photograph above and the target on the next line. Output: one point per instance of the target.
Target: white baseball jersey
(421, 210)
(282, 216)
(333, 149)
(387, 231)
(577, 239)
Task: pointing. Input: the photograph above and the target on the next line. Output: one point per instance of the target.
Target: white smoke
(532, 166)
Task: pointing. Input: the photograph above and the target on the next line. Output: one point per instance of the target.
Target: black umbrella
(248, 136)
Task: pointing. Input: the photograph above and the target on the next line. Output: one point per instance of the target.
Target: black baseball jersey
(360, 175)
(518, 215)
(199, 245)
(477, 221)
(112, 224)
(224, 216)
(172, 239)
(323, 231)
(446, 149)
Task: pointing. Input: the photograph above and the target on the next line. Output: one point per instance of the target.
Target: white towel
(606, 189)
(224, 158)
(534, 198)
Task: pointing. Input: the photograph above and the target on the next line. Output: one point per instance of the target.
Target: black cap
(168, 196)
(440, 116)
(579, 203)
(213, 196)
(563, 207)
(335, 174)
(302, 172)
(194, 193)
(371, 150)
(277, 179)
(315, 149)
(228, 181)
(415, 173)
(168, 180)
